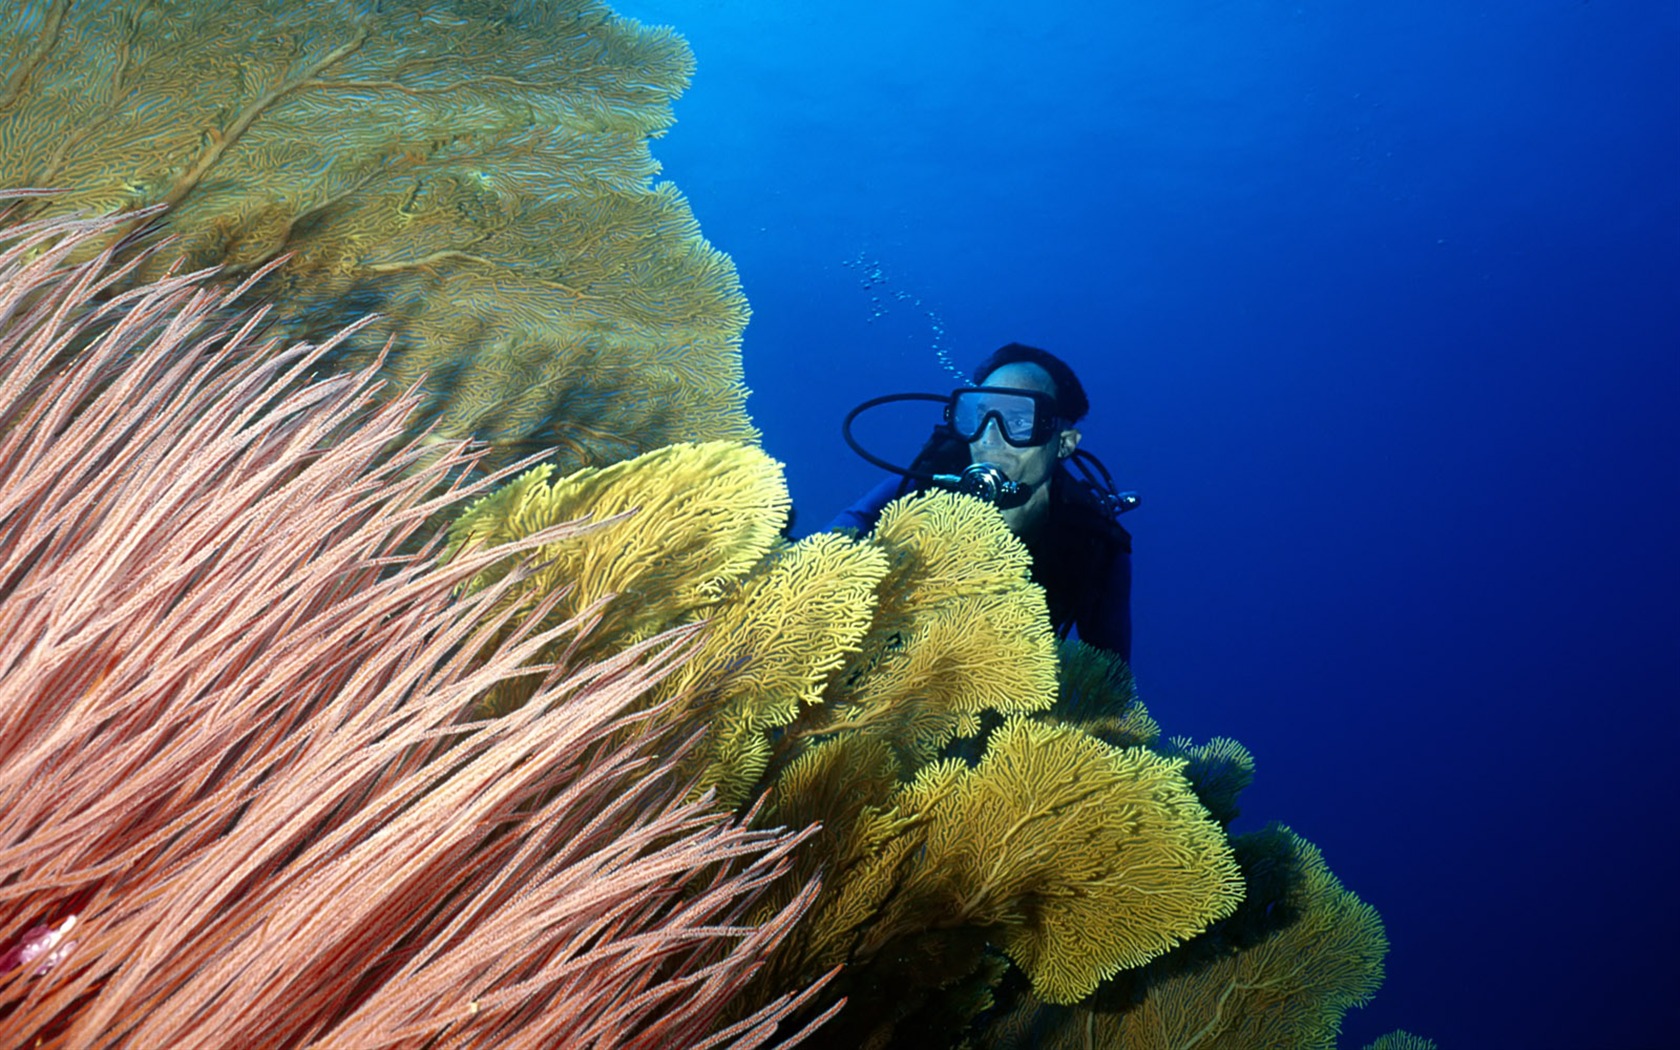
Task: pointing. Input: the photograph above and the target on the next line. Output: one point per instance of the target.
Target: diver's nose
(990, 434)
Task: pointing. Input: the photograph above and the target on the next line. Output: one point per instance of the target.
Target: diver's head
(1069, 392)
(1027, 449)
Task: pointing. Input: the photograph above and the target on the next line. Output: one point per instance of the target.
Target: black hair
(1071, 402)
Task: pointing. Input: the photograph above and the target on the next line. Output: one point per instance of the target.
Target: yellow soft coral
(1075, 857)
(673, 530)
(1289, 990)
(769, 649)
(1085, 857)
(675, 527)
(960, 628)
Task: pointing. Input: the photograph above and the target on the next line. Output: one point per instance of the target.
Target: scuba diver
(1010, 440)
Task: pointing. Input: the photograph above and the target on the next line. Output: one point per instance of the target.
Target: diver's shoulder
(1078, 508)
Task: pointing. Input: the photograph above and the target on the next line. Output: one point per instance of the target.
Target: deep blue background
(1379, 305)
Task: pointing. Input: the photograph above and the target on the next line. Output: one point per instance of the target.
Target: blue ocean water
(1379, 307)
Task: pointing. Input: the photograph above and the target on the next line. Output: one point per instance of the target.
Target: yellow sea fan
(960, 628)
(1074, 857)
(971, 655)
(834, 783)
(951, 547)
(1290, 990)
(845, 788)
(1084, 858)
(848, 924)
(674, 527)
(769, 649)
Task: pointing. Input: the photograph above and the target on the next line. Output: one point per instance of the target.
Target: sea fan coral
(1300, 952)
(233, 733)
(476, 170)
(833, 674)
(703, 544)
(1076, 857)
(1402, 1040)
(959, 629)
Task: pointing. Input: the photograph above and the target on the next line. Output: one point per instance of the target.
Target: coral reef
(277, 768)
(256, 726)
(241, 803)
(476, 171)
(1280, 972)
(1402, 1040)
(841, 679)
(1077, 858)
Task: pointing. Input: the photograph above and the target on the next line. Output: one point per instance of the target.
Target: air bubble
(874, 277)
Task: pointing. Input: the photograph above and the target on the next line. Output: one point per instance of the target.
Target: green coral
(1096, 692)
(476, 172)
(1402, 1040)
(1219, 771)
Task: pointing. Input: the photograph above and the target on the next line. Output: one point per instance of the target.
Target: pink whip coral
(235, 740)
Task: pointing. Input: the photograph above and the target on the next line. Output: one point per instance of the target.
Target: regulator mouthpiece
(986, 482)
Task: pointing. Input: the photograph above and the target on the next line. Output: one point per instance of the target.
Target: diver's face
(1031, 465)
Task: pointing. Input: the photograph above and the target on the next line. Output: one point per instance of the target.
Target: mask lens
(1016, 415)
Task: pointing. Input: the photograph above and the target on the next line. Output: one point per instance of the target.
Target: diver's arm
(863, 514)
(1108, 624)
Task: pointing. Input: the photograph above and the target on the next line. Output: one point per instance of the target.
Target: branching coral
(1074, 856)
(674, 529)
(1096, 693)
(232, 742)
(1308, 954)
(959, 629)
(474, 170)
(1402, 1040)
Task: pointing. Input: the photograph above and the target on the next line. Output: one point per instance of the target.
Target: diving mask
(1024, 418)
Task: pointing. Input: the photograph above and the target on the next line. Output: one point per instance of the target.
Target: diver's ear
(1067, 443)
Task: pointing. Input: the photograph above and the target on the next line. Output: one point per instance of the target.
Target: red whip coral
(233, 731)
